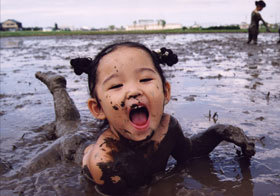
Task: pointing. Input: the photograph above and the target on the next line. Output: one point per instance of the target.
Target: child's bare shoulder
(101, 153)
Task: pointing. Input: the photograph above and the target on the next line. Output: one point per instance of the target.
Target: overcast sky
(102, 13)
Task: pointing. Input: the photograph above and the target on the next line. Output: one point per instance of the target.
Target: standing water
(217, 75)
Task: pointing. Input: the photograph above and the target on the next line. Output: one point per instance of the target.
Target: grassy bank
(65, 33)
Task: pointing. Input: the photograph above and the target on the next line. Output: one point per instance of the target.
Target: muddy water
(216, 73)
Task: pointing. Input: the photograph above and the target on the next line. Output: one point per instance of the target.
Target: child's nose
(133, 95)
(133, 92)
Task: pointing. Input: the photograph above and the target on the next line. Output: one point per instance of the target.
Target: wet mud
(219, 78)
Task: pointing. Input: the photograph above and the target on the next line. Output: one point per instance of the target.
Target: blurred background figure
(254, 25)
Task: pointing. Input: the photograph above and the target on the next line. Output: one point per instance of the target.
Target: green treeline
(184, 30)
(230, 27)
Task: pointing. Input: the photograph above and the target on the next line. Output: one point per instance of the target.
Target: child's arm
(103, 171)
(107, 178)
(265, 24)
(203, 143)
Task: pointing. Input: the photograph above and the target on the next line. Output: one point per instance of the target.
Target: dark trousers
(253, 35)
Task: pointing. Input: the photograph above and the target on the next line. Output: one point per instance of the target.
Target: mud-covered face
(130, 92)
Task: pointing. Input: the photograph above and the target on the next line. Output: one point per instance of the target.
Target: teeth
(134, 106)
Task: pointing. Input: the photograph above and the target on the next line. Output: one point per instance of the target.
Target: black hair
(260, 3)
(89, 66)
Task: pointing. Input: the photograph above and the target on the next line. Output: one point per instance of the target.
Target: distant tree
(37, 29)
(229, 27)
(184, 28)
(55, 27)
(112, 27)
(163, 23)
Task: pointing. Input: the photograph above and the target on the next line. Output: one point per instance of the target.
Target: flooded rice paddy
(216, 73)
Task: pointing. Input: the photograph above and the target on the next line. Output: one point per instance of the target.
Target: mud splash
(216, 74)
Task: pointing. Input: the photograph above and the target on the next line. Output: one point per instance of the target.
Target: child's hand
(237, 136)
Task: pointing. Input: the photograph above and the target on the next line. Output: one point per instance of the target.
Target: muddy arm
(265, 24)
(203, 143)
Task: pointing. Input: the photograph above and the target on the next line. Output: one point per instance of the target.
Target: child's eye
(115, 86)
(146, 80)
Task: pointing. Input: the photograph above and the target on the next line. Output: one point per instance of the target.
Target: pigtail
(81, 65)
(166, 56)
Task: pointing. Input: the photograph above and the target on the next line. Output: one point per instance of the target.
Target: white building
(244, 25)
(196, 26)
(48, 29)
(152, 25)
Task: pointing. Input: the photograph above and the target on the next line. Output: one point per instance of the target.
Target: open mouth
(139, 115)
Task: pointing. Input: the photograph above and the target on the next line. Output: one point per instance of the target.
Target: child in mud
(253, 30)
(129, 92)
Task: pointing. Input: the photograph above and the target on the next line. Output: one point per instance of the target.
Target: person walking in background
(253, 30)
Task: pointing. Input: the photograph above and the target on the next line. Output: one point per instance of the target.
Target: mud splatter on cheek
(108, 97)
(115, 67)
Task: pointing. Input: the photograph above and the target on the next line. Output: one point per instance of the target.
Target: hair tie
(81, 65)
(166, 56)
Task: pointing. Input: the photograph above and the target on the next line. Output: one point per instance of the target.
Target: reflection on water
(11, 43)
(216, 73)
